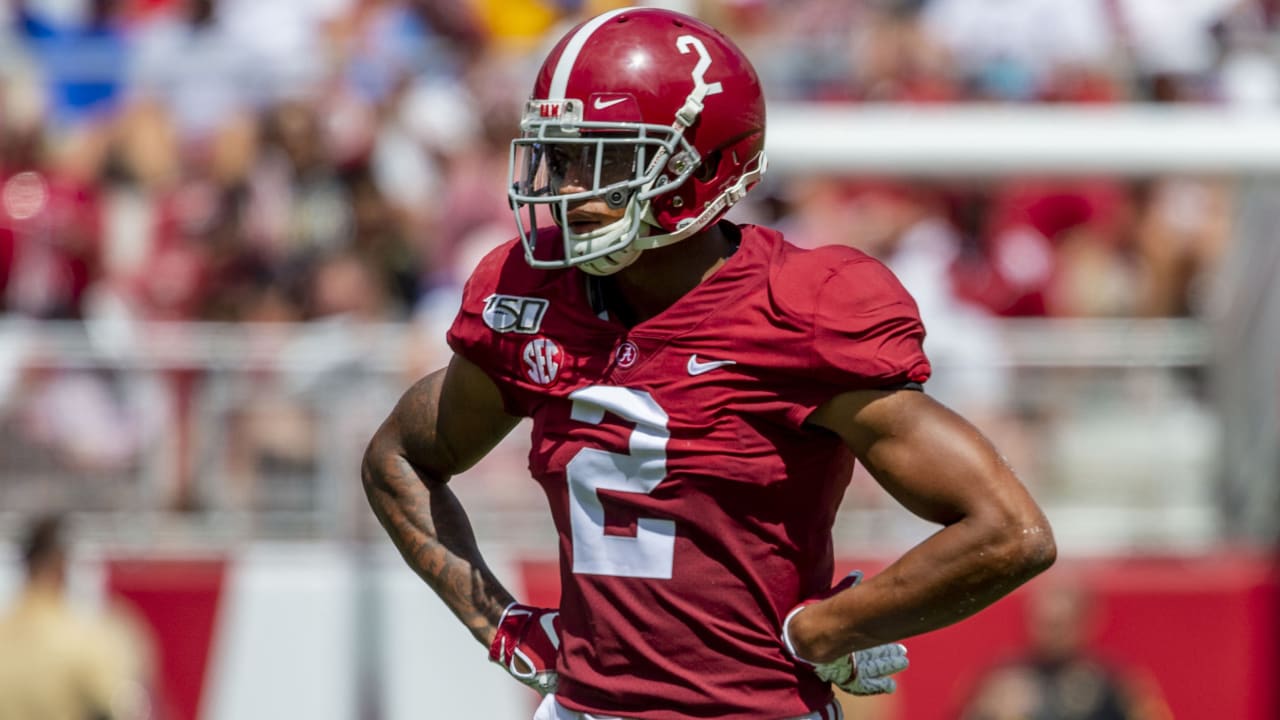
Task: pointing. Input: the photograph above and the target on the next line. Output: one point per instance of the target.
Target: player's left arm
(994, 537)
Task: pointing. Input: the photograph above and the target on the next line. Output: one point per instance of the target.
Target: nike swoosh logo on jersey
(602, 104)
(549, 627)
(697, 368)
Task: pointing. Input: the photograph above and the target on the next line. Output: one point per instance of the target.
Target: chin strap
(616, 260)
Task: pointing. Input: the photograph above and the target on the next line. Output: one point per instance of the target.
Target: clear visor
(608, 168)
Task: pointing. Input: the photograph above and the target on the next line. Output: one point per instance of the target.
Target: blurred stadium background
(233, 231)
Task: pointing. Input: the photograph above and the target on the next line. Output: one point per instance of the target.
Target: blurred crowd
(236, 160)
(265, 162)
(302, 160)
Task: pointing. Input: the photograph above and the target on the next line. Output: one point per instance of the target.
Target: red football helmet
(648, 110)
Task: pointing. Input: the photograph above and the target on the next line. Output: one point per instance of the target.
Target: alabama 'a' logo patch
(514, 313)
(542, 360)
(626, 354)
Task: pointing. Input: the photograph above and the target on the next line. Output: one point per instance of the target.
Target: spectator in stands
(51, 221)
(894, 58)
(351, 150)
(1059, 677)
(197, 69)
(1182, 232)
(1054, 248)
(82, 57)
(1013, 51)
(56, 663)
(299, 203)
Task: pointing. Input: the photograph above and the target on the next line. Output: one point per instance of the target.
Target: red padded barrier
(1204, 629)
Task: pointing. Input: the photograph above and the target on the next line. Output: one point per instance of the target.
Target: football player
(699, 392)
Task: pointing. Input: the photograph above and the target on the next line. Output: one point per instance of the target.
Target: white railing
(1115, 425)
(240, 430)
(970, 140)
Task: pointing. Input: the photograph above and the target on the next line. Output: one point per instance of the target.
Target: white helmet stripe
(564, 66)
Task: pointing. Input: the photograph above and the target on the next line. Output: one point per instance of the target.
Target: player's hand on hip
(866, 672)
(526, 645)
(862, 672)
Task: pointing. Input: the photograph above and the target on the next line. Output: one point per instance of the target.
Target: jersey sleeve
(469, 337)
(866, 334)
(867, 331)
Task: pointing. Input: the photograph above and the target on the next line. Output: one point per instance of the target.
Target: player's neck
(661, 276)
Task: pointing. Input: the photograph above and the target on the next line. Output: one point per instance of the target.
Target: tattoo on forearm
(429, 526)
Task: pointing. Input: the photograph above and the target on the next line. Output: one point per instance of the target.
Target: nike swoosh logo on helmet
(697, 368)
(602, 104)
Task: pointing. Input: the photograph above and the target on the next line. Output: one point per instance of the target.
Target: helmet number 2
(649, 553)
(701, 87)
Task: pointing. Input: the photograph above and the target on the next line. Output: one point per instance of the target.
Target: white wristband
(786, 636)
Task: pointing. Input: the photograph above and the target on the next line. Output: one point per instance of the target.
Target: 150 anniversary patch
(514, 313)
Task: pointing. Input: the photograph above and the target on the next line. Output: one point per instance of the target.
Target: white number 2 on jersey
(649, 554)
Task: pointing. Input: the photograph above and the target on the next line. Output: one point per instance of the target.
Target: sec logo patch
(542, 360)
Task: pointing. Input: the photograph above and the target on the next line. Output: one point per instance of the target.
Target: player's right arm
(441, 426)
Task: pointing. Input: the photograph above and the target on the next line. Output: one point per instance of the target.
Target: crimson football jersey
(693, 504)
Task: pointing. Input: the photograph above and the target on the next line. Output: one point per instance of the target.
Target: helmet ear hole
(708, 168)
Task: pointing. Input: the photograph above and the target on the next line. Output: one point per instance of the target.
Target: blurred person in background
(1017, 52)
(82, 50)
(1056, 248)
(1059, 677)
(1182, 232)
(50, 228)
(693, 466)
(894, 58)
(57, 662)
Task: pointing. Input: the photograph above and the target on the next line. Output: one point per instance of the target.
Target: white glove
(862, 672)
(866, 672)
